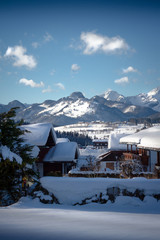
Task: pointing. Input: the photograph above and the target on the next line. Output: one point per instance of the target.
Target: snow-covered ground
(128, 218)
(125, 219)
(71, 190)
(99, 130)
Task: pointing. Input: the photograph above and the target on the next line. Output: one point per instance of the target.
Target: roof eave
(149, 148)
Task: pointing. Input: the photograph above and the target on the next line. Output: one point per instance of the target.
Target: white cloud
(60, 85)
(75, 67)
(122, 80)
(93, 43)
(31, 83)
(129, 69)
(18, 54)
(35, 44)
(47, 37)
(49, 89)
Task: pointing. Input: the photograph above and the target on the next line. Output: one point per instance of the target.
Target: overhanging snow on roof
(62, 152)
(147, 138)
(38, 133)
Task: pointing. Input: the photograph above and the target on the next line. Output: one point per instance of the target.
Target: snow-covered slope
(69, 108)
(150, 99)
(155, 93)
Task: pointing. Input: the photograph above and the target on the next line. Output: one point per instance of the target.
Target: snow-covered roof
(147, 138)
(113, 142)
(100, 140)
(59, 140)
(64, 151)
(38, 133)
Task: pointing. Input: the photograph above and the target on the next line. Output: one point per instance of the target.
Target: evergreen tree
(12, 172)
(81, 139)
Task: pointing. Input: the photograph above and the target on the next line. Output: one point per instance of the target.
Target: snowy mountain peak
(113, 96)
(76, 95)
(155, 93)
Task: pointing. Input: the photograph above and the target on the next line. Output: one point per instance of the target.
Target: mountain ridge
(110, 106)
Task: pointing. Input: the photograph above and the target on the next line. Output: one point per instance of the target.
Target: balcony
(131, 156)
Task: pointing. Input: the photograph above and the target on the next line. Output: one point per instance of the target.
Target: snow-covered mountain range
(110, 106)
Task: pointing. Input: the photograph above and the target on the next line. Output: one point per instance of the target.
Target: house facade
(110, 160)
(100, 143)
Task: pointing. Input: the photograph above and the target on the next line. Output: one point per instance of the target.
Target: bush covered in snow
(37, 191)
(94, 174)
(131, 166)
(80, 190)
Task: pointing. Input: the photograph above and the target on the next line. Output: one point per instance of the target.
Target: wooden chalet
(56, 156)
(144, 146)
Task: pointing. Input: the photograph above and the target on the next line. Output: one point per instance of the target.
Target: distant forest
(147, 121)
(81, 139)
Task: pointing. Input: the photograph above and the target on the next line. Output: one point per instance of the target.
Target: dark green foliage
(147, 121)
(81, 139)
(10, 133)
(11, 172)
(8, 174)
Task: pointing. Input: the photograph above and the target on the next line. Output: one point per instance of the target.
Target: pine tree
(11, 172)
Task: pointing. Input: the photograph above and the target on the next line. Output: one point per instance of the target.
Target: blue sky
(49, 49)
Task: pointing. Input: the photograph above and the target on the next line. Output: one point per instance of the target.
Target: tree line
(81, 139)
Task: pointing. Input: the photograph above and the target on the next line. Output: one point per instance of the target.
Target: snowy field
(128, 218)
(30, 219)
(99, 130)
